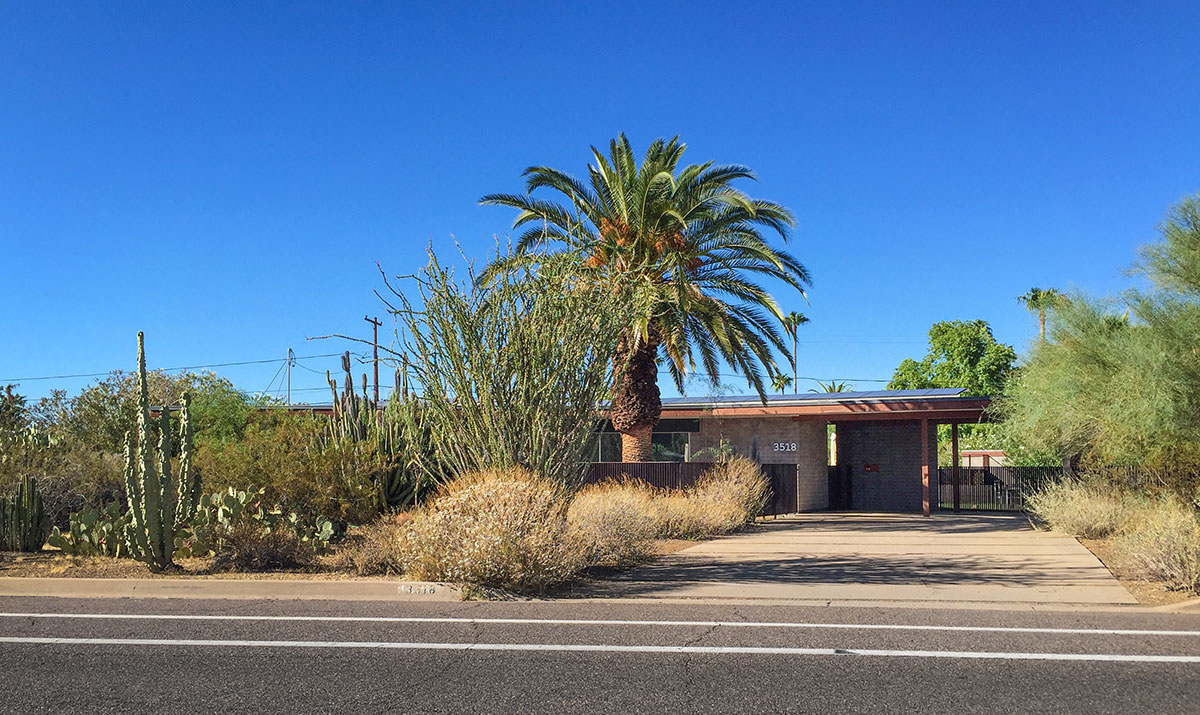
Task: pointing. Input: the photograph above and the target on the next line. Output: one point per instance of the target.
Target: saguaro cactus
(23, 522)
(160, 502)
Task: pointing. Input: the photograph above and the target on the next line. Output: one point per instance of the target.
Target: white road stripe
(575, 648)
(614, 622)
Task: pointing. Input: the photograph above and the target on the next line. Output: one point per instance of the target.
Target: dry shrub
(247, 546)
(689, 514)
(501, 528)
(375, 549)
(724, 499)
(614, 522)
(1164, 545)
(738, 483)
(1081, 508)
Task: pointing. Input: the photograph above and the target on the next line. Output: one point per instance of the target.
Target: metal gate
(992, 488)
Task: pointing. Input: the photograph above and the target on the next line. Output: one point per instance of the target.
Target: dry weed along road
(172, 655)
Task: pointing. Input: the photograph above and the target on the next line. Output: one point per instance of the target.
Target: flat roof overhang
(832, 409)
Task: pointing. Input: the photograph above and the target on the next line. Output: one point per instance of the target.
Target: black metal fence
(992, 488)
(681, 475)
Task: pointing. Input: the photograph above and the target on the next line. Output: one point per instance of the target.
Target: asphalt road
(560, 657)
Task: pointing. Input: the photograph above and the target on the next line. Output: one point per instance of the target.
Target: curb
(1191, 605)
(234, 589)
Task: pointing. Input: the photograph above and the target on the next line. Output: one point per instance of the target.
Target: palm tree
(780, 382)
(678, 243)
(832, 386)
(1039, 301)
(791, 321)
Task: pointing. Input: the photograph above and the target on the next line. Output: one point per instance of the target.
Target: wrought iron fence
(992, 488)
(681, 475)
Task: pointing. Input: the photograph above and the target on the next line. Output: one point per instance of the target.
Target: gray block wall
(895, 449)
(773, 440)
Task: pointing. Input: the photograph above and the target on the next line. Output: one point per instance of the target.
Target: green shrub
(1164, 545)
(1081, 508)
(281, 455)
(500, 528)
(614, 522)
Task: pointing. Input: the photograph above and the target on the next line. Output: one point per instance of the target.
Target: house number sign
(783, 446)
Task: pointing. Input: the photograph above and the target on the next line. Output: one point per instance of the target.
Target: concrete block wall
(812, 471)
(895, 449)
(773, 440)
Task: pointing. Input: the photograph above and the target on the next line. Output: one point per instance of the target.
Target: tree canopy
(1118, 379)
(961, 354)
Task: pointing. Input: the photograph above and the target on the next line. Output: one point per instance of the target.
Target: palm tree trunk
(636, 403)
(795, 369)
(1042, 325)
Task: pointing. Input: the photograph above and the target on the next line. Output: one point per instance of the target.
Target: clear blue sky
(224, 176)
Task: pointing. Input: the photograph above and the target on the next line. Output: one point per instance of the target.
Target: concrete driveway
(944, 560)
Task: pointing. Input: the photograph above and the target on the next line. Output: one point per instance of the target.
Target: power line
(167, 369)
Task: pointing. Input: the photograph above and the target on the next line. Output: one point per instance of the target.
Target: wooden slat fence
(681, 475)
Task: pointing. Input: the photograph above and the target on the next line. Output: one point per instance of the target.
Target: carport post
(954, 463)
(925, 466)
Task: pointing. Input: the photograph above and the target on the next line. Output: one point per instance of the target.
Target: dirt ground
(1148, 593)
(52, 563)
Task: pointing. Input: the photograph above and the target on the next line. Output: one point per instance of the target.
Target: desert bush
(500, 528)
(614, 522)
(220, 514)
(281, 454)
(375, 549)
(724, 499)
(247, 546)
(1081, 508)
(1164, 545)
(685, 514)
(739, 482)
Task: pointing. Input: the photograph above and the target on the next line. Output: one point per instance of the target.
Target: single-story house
(886, 441)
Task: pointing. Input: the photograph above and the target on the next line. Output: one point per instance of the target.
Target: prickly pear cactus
(160, 502)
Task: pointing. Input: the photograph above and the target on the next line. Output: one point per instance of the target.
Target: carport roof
(947, 404)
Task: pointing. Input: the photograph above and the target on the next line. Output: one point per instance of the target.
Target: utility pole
(291, 360)
(375, 323)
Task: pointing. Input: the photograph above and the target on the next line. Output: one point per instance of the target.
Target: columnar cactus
(160, 502)
(23, 522)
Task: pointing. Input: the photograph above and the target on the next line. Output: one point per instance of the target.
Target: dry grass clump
(375, 549)
(1082, 509)
(501, 528)
(614, 522)
(249, 547)
(724, 499)
(1164, 545)
(1158, 539)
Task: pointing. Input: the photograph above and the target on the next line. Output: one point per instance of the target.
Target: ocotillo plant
(161, 502)
(23, 522)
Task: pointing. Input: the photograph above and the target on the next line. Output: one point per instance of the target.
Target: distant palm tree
(686, 244)
(1039, 301)
(833, 386)
(791, 321)
(780, 382)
